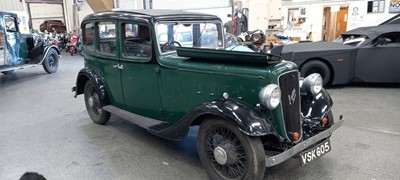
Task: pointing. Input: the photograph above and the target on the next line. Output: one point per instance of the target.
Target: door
(139, 75)
(341, 21)
(380, 63)
(12, 40)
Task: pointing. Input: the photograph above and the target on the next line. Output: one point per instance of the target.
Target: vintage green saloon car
(168, 70)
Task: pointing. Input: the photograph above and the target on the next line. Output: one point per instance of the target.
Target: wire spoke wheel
(227, 153)
(234, 164)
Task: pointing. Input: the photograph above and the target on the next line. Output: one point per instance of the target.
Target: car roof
(394, 20)
(373, 31)
(150, 15)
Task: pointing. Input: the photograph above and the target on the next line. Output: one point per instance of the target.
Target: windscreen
(189, 34)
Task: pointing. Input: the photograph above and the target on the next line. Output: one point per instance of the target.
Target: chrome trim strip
(277, 159)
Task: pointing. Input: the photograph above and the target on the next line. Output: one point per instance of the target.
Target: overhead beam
(101, 5)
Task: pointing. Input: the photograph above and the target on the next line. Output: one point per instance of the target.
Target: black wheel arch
(325, 61)
(248, 119)
(90, 74)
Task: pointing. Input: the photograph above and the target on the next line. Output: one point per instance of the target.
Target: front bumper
(277, 159)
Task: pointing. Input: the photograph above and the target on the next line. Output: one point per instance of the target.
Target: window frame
(122, 37)
(97, 37)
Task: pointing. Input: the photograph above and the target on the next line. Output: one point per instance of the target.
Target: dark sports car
(367, 54)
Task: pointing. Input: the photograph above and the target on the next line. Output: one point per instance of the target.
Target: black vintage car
(366, 54)
(20, 50)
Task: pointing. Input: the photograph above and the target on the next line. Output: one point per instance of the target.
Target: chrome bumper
(277, 159)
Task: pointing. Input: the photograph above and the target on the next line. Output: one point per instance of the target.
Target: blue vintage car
(20, 50)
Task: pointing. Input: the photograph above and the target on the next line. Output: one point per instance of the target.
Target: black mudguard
(248, 119)
(90, 74)
(317, 106)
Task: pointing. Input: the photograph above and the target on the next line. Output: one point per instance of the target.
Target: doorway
(334, 23)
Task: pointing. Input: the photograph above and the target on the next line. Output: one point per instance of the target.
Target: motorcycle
(254, 40)
(73, 44)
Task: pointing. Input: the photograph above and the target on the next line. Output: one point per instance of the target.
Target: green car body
(168, 89)
(19, 49)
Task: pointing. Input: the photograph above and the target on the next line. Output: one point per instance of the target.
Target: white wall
(314, 10)
(11, 5)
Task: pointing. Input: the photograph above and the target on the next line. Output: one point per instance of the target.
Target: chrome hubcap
(90, 101)
(220, 155)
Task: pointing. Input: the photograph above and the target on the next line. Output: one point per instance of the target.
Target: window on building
(376, 6)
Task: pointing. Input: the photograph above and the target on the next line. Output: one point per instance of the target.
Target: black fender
(46, 51)
(90, 74)
(247, 118)
(317, 106)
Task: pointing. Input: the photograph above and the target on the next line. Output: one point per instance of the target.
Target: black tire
(316, 66)
(8, 72)
(50, 64)
(94, 105)
(245, 155)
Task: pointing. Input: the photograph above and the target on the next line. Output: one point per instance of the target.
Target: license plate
(314, 153)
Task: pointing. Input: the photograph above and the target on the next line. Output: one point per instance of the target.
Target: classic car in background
(20, 50)
(253, 108)
(366, 54)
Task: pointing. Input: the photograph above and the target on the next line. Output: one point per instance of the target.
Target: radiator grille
(289, 84)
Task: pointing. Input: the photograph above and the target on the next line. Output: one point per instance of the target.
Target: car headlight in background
(313, 83)
(270, 96)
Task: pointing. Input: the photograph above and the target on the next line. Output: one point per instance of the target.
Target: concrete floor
(44, 129)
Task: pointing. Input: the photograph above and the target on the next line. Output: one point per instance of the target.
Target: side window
(107, 38)
(392, 37)
(89, 37)
(136, 40)
(11, 24)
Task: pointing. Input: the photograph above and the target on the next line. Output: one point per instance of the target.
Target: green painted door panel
(140, 89)
(112, 77)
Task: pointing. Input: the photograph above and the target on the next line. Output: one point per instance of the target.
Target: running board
(139, 120)
(18, 67)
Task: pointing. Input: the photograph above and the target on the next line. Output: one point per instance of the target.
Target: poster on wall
(394, 6)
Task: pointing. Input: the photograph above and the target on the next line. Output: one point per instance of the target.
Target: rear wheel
(316, 66)
(50, 64)
(94, 105)
(227, 153)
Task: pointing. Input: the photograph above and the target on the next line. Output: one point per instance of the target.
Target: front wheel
(50, 64)
(227, 153)
(319, 67)
(94, 105)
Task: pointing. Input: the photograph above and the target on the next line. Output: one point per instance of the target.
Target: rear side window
(89, 37)
(107, 38)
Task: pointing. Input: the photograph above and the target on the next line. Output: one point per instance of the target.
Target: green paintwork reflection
(185, 84)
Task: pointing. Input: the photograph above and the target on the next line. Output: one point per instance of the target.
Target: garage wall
(41, 12)
(11, 5)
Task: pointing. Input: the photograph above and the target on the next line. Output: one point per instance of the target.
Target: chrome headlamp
(313, 83)
(270, 96)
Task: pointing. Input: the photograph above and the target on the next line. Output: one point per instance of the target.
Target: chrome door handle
(119, 66)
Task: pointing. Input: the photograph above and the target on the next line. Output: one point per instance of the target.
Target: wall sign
(394, 6)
